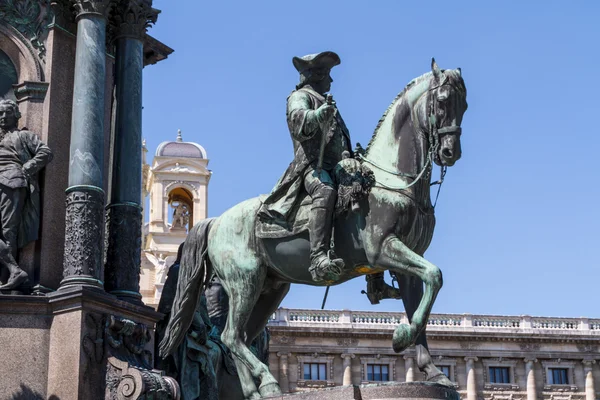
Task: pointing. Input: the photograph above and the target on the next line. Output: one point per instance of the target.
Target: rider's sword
(325, 132)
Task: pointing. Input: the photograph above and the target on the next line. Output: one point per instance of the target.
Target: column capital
(347, 355)
(131, 18)
(282, 354)
(530, 360)
(409, 357)
(97, 7)
(471, 358)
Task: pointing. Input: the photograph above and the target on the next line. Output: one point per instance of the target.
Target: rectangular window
(499, 375)
(445, 369)
(377, 373)
(558, 376)
(315, 372)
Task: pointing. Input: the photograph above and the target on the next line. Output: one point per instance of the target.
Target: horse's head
(446, 104)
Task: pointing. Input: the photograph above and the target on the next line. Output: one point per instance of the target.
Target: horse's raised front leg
(397, 257)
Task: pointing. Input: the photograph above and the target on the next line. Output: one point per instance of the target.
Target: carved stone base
(83, 237)
(66, 344)
(123, 258)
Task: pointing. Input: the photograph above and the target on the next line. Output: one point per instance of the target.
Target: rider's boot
(324, 265)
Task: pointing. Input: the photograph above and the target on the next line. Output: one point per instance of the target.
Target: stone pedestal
(383, 391)
(77, 343)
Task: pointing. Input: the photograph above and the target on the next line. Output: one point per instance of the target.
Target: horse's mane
(410, 85)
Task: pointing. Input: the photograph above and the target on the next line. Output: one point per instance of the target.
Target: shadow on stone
(25, 393)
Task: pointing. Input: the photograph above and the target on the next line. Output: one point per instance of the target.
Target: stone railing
(496, 322)
(437, 322)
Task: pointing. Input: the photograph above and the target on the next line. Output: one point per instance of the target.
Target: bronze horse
(390, 231)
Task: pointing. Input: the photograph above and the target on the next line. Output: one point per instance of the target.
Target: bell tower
(177, 186)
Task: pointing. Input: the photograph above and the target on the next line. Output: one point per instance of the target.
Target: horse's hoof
(269, 389)
(404, 336)
(441, 379)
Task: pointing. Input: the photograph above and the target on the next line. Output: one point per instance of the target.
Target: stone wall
(516, 342)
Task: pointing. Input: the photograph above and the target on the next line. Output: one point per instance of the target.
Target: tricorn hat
(326, 59)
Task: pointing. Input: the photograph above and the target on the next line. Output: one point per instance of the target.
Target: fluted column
(590, 388)
(284, 377)
(347, 367)
(409, 364)
(130, 18)
(85, 197)
(471, 381)
(531, 384)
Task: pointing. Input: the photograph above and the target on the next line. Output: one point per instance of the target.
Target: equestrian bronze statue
(383, 221)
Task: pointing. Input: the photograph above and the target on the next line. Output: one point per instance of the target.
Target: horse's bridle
(433, 138)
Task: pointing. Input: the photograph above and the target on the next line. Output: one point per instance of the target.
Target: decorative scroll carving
(131, 18)
(30, 18)
(129, 372)
(101, 7)
(83, 233)
(124, 381)
(123, 242)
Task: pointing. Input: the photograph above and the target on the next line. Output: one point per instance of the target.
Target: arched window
(8, 77)
(181, 205)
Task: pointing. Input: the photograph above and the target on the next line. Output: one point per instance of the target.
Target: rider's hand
(325, 112)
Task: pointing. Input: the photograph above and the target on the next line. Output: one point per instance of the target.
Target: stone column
(409, 364)
(130, 19)
(284, 377)
(85, 197)
(471, 381)
(531, 384)
(590, 388)
(347, 366)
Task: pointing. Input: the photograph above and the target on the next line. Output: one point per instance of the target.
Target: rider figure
(312, 119)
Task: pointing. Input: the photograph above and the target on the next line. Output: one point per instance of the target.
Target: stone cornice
(463, 337)
(131, 18)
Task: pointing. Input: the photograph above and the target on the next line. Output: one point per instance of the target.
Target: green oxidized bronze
(384, 220)
(31, 18)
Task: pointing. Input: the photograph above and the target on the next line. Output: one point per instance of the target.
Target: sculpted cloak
(306, 134)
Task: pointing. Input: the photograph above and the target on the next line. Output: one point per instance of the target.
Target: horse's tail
(194, 272)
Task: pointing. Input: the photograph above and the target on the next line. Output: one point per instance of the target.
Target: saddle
(353, 180)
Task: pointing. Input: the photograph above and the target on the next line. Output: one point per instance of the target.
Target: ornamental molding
(347, 342)
(132, 18)
(530, 346)
(98, 7)
(170, 185)
(31, 19)
(31, 91)
(283, 339)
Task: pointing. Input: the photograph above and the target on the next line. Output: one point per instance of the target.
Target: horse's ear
(435, 69)
(459, 71)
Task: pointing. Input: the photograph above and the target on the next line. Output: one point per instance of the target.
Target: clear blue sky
(517, 220)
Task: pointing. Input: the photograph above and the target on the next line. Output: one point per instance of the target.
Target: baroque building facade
(177, 186)
(488, 357)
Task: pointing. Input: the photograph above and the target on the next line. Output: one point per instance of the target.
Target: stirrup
(327, 268)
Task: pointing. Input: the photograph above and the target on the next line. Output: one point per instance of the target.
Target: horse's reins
(433, 145)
